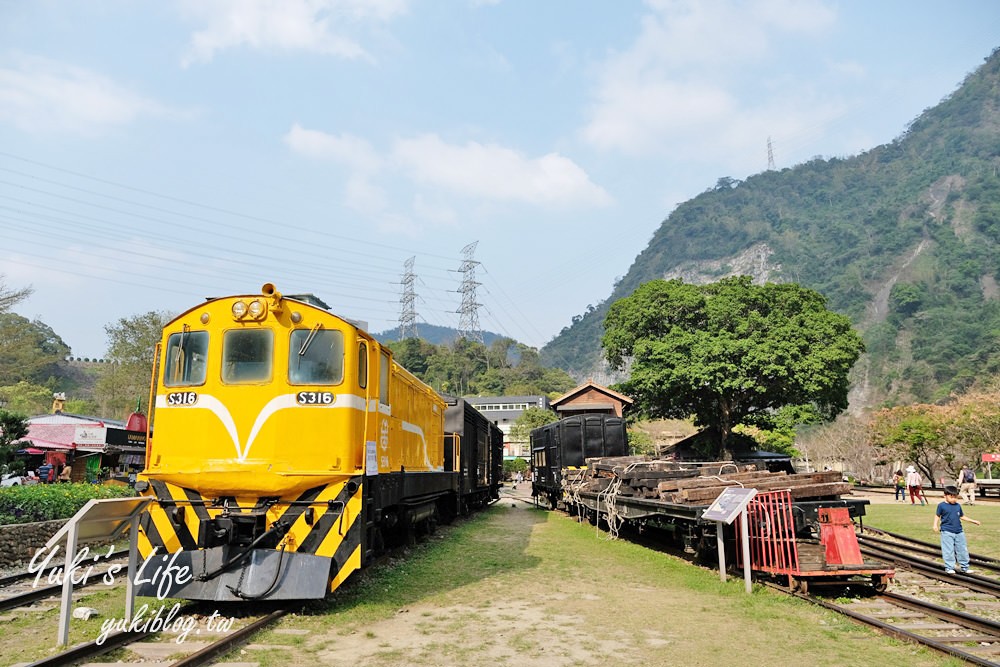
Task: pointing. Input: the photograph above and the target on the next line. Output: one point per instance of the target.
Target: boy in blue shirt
(948, 522)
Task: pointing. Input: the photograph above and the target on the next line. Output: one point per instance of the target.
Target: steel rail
(90, 649)
(42, 592)
(228, 642)
(934, 570)
(931, 545)
(900, 633)
(9, 579)
(877, 542)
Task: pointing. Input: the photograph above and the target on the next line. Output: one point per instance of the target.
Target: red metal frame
(774, 549)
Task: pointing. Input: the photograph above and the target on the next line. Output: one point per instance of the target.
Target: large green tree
(29, 351)
(13, 427)
(528, 420)
(730, 352)
(131, 347)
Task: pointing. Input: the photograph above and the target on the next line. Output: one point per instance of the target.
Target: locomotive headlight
(239, 310)
(257, 309)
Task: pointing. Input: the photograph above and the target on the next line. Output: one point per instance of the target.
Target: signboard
(729, 504)
(991, 458)
(371, 458)
(90, 435)
(124, 438)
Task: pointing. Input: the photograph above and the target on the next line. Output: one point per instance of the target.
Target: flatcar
(582, 465)
(288, 448)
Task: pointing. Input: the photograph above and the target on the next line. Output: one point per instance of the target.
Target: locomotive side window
(383, 380)
(362, 365)
(316, 356)
(246, 355)
(185, 360)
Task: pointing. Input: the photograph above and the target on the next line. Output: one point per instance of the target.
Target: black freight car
(475, 452)
(566, 445)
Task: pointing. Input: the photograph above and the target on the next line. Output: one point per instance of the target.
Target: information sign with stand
(732, 502)
(107, 520)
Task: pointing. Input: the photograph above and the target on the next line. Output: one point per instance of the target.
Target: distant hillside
(904, 239)
(433, 334)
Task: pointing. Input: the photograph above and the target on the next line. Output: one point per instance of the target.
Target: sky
(156, 153)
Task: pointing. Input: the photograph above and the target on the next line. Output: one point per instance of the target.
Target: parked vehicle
(13, 479)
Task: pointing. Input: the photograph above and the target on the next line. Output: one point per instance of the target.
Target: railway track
(956, 614)
(967, 636)
(180, 645)
(26, 588)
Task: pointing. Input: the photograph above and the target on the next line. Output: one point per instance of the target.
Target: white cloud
(362, 195)
(40, 95)
(684, 87)
(493, 172)
(345, 148)
(319, 26)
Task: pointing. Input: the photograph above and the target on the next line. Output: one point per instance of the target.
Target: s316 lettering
(182, 398)
(314, 398)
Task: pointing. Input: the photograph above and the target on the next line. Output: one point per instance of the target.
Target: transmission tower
(468, 321)
(407, 301)
(770, 155)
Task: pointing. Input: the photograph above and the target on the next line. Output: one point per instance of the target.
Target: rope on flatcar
(615, 519)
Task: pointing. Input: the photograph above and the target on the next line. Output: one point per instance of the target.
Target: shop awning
(34, 451)
(48, 444)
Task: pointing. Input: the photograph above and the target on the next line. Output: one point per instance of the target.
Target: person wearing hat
(948, 522)
(915, 484)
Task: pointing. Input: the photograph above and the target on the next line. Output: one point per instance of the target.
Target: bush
(46, 502)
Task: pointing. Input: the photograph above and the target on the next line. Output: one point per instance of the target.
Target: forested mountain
(904, 239)
(433, 333)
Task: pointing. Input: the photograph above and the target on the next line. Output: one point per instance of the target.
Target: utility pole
(468, 322)
(407, 301)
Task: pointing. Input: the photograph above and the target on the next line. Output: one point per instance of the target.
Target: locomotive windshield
(185, 362)
(246, 355)
(316, 356)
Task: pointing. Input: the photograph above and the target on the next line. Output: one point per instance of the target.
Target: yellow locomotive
(287, 447)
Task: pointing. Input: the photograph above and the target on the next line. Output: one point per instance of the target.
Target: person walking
(967, 490)
(948, 522)
(899, 483)
(914, 483)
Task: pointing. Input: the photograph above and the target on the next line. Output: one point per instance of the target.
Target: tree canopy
(529, 420)
(29, 351)
(13, 427)
(131, 346)
(10, 297)
(466, 367)
(731, 352)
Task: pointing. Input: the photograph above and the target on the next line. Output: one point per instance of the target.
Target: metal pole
(746, 547)
(133, 559)
(721, 546)
(67, 585)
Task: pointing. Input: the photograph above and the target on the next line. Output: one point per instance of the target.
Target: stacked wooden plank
(695, 483)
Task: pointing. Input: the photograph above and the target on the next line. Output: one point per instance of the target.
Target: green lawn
(917, 521)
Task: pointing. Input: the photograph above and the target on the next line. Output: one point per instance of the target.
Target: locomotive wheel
(880, 583)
